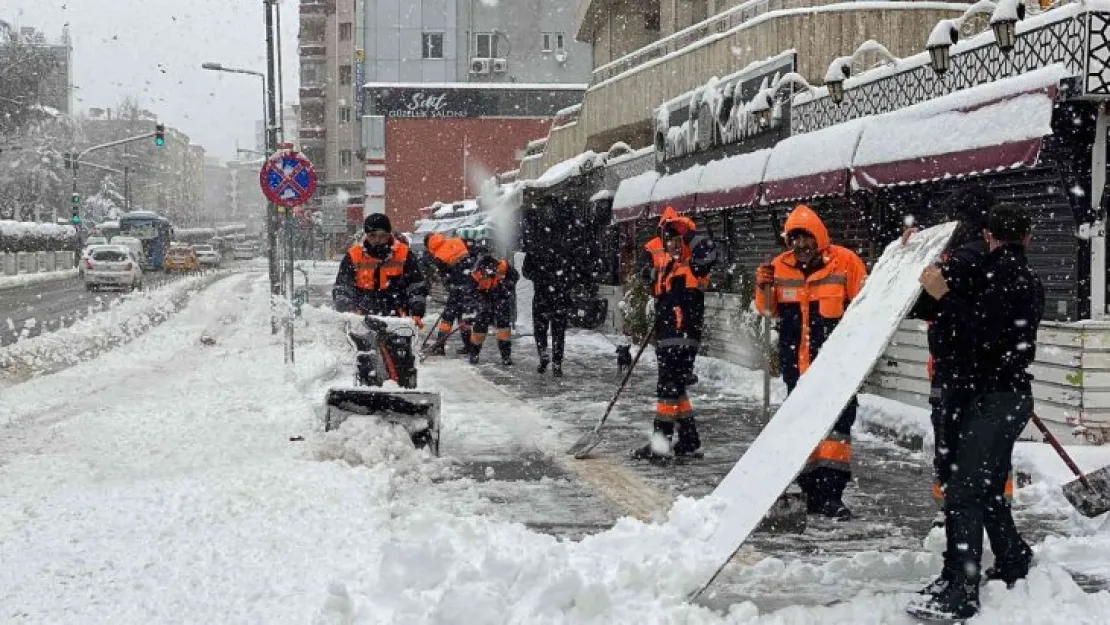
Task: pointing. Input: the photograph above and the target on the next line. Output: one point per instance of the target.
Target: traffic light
(68, 161)
(75, 214)
(160, 135)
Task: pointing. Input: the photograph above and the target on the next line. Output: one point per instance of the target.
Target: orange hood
(682, 224)
(803, 218)
(435, 242)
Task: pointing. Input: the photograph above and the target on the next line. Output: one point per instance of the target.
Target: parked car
(112, 266)
(181, 259)
(133, 244)
(85, 257)
(244, 251)
(207, 255)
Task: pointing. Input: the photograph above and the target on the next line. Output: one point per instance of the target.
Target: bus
(154, 230)
(193, 236)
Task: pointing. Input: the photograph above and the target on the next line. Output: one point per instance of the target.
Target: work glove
(765, 276)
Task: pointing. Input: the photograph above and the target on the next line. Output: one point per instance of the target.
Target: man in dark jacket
(677, 264)
(453, 264)
(1001, 327)
(380, 276)
(551, 274)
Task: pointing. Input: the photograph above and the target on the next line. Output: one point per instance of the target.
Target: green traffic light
(159, 141)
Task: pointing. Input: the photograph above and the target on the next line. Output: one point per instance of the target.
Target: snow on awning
(633, 196)
(813, 164)
(559, 172)
(732, 181)
(992, 127)
(677, 190)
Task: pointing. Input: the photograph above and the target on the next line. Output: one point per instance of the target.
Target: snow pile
(369, 442)
(127, 318)
(28, 279)
(28, 236)
(894, 419)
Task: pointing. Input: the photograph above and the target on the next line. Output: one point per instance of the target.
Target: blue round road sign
(287, 179)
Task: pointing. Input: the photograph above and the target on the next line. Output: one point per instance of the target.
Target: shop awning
(677, 190)
(814, 164)
(992, 127)
(633, 196)
(732, 181)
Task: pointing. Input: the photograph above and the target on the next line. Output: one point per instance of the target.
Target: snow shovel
(1090, 494)
(434, 328)
(592, 438)
(765, 340)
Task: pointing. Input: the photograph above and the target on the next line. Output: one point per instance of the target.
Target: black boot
(506, 348)
(544, 360)
(1009, 572)
(557, 369)
(475, 350)
(958, 600)
(937, 585)
(834, 509)
(659, 427)
(688, 442)
(466, 344)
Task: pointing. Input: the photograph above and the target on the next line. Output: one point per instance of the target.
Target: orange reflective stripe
(477, 338)
(678, 317)
(839, 452)
(668, 408)
(444, 327)
(1008, 489)
(504, 334)
(938, 493)
(684, 405)
(488, 283)
(373, 274)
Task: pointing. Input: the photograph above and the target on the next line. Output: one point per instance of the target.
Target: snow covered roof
(604, 194)
(560, 172)
(732, 181)
(633, 196)
(445, 211)
(494, 86)
(676, 190)
(993, 126)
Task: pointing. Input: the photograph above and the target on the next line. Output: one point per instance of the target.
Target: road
(48, 306)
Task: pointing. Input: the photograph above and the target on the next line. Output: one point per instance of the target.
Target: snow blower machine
(384, 351)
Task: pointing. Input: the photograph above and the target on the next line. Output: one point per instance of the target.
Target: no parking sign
(287, 178)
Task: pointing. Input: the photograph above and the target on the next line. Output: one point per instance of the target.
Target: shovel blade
(416, 411)
(585, 445)
(1093, 501)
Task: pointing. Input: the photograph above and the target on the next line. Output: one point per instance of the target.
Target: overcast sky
(153, 49)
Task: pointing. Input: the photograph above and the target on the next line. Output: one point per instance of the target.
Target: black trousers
(975, 497)
(550, 310)
(947, 408)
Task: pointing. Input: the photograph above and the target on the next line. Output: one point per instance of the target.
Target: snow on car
(207, 255)
(112, 266)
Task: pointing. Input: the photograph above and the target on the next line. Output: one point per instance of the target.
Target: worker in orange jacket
(453, 262)
(808, 288)
(676, 263)
(495, 283)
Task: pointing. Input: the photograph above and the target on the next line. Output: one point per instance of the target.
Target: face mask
(380, 250)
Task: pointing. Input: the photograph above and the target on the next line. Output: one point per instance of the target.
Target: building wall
(394, 32)
(342, 135)
(217, 194)
(425, 159)
(524, 23)
(622, 27)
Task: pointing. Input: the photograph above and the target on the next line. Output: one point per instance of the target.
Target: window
(651, 19)
(345, 31)
(312, 73)
(485, 45)
(559, 41)
(344, 114)
(546, 42)
(344, 158)
(432, 45)
(344, 74)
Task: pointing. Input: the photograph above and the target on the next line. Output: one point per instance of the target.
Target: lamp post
(271, 145)
(1003, 21)
(841, 68)
(760, 106)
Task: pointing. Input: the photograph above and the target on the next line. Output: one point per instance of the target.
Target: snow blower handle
(1051, 440)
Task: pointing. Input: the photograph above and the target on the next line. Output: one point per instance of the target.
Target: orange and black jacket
(380, 286)
(501, 284)
(678, 284)
(452, 260)
(810, 302)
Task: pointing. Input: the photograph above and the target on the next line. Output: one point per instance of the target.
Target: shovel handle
(1048, 436)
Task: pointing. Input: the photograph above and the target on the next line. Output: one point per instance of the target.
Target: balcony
(312, 93)
(314, 135)
(623, 94)
(313, 50)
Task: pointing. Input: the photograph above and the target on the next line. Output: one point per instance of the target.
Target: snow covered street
(162, 482)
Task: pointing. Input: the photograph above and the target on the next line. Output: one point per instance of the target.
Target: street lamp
(841, 68)
(270, 139)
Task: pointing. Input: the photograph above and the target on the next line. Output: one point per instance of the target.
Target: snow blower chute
(384, 351)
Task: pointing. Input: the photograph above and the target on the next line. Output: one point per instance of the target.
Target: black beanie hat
(973, 206)
(377, 221)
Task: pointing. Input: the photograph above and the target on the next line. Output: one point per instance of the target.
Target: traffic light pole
(74, 160)
(271, 146)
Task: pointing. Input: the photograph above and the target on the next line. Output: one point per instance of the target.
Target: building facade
(217, 193)
(56, 91)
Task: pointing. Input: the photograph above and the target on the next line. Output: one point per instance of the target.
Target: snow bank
(128, 317)
(27, 279)
(27, 236)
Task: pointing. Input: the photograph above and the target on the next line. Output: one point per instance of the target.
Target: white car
(207, 255)
(85, 256)
(112, 266)
(132, 243)
(244, 251)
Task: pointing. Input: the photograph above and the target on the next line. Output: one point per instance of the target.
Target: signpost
(288, 179)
